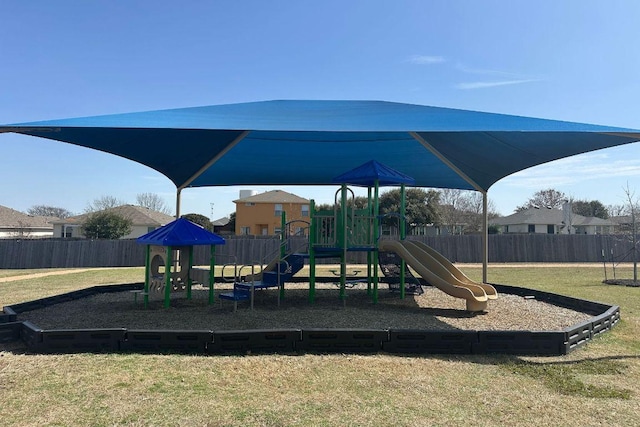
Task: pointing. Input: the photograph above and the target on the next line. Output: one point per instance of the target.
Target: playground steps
(291, 264)
(236, 295)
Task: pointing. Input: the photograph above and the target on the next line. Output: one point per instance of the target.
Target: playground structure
(169, 260)
(344, 229)
(332, 233)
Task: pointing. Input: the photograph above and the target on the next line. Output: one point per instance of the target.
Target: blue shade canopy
(367, 174)
(311, 142)
(180, 232)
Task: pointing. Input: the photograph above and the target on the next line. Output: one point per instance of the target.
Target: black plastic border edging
(10, 331)
(405, 341)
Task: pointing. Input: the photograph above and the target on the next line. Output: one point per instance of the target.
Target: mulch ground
(433, 310)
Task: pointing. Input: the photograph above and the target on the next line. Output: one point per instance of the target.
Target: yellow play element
(179, 270)
(441, 273)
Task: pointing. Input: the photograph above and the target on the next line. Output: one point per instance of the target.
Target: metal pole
(178, 192)
(312, 252)
(376, 212)
(189, 281)
(343, 261)
(402, 224)
(485, 236)
(372, 236)
(147, 276)
(167, 277)
(212, 274)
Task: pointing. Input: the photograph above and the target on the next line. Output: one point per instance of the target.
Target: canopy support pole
(485, 236)
(446, 161)
(207, 166)
(178, 194)
(214, 160)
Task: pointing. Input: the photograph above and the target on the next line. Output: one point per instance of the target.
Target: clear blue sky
(566, 60)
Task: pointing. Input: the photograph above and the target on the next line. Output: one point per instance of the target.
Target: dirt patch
(623, 282)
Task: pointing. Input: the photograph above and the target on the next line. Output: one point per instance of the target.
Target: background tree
(549, 198)
(200, 220)
(451, 209)
(232, 221)
(593, 208)
(22, 231)
(421, 207)
(461, 211)
(360, 202)
(106, 225)
(154, 202)
(633, 208)
(616, 210)
(103, 203)
(45, 210)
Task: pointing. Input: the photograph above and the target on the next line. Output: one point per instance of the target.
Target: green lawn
(596, 385)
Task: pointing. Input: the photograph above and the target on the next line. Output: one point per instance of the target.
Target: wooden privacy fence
(56, 253)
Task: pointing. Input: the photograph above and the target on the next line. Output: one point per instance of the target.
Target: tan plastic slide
(488, 289)
(437, 274)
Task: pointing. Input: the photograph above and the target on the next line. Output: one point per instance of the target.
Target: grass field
(596, 385)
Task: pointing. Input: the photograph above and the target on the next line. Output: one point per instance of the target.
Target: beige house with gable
(552, 221)
(261, 214)
(17, 225)
(143, 220)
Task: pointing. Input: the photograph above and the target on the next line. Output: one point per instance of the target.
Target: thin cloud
(573, 170)
(486, 72)
(485, 85)
(426, 59)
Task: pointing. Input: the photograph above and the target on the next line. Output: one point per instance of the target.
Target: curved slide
(430, 268)
(488, 289)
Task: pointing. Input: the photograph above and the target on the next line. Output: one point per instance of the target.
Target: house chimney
(247, 193)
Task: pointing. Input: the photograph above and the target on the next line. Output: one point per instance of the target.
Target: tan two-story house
(261, 214)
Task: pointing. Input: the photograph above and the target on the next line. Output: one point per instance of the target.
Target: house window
(277, 230)
(506, 228)
(551, 229)
(278, 209)
(532, 228)
(244, 231)
(150, 229)
(305, 210)
(249, 204)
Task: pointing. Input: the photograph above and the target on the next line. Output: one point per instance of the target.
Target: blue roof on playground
(180, 232)
(367, 174)
(311, 142)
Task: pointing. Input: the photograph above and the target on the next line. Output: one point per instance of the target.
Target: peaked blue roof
(372, 171)
(252, 143)
(180, 232)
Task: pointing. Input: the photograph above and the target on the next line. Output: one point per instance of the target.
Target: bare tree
(549, 198)
(102, 203)
(617, 210)
(632, 205)
(154, 202)
(461, 210)
(45, 210)
(23, 231)
(450, 209)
